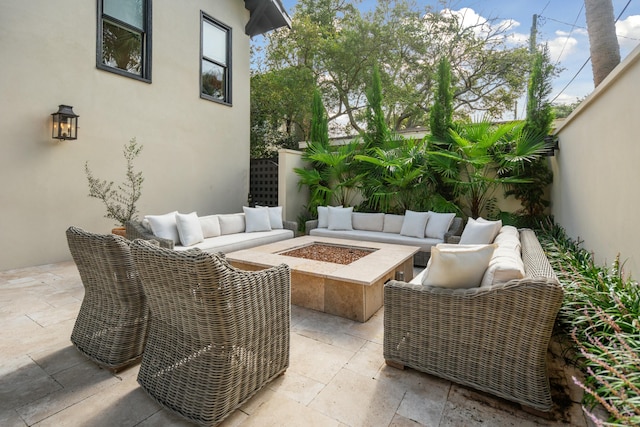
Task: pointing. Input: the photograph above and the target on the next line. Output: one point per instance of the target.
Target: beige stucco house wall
(596, 171)
(196, 152)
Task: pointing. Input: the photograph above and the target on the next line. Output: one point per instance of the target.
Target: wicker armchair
(492, 339)
(217, 334)
(111, 327)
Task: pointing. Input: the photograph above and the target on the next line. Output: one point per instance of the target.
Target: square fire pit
(353, 290)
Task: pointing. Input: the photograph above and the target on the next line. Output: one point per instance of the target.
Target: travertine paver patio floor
(337, 375)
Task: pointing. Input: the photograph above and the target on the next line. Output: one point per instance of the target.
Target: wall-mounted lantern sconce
(551, 145)
(65, 123)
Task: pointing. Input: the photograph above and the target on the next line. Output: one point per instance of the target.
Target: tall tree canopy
(339, 46)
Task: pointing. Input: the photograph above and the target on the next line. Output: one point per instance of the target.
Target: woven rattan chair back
(217, 334)
(111, 326)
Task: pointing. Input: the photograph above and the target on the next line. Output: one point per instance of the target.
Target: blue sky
(562, 25)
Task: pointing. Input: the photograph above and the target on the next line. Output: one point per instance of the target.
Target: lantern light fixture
(65, 123)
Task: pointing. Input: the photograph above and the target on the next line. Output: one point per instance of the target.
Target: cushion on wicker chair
(457, 266)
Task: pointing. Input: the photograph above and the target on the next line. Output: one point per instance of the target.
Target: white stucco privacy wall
(595, 192)
(196, 152)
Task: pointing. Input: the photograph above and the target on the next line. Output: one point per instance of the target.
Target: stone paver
(337, 376)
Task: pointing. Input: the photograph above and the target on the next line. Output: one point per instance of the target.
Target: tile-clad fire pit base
(353, 291)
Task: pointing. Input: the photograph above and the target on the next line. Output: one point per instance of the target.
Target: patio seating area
(337, 375)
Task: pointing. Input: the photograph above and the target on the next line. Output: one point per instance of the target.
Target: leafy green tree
(339, 45)
(278, 113)
(561, 111)
(442, 111)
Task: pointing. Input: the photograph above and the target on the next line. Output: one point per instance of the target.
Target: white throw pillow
(275, 217)
(340, 218)
(189, 229)
(323, 216)
(210, 226)
(257, 219)
(393, 223)
(231, 223)
(164, 226)
(367, 221)
(414, 223)
(438, 224)
(457, 266)
(480, 232)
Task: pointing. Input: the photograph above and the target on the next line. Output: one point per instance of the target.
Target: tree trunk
(603, 43)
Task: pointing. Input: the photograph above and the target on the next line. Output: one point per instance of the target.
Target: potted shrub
(120, 201)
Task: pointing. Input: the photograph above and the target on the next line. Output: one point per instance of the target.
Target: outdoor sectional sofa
(492, 337)
(423, 229)
(214, 233)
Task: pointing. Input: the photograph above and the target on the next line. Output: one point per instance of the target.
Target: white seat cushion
(235, 242)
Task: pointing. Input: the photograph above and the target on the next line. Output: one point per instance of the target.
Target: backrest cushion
(231, 223)
(438, 224)
(210, 226)
(393, 223)
(189, 229)
(414, 223)
(506, 262)
(367, 221)
(457, 266)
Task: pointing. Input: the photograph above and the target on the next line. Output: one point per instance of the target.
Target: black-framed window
(124, 38)
(215, 60)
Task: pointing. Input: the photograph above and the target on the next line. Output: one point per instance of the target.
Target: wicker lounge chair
(492, 339)
(217, 334)
(111, 326)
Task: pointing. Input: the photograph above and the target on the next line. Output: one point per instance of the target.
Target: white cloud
(561, 46)
(628, 31)
(481, 26)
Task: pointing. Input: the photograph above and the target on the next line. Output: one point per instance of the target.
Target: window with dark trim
(215, 60)
(124, 38)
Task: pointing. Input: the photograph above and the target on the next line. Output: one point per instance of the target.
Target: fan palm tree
(483, 158)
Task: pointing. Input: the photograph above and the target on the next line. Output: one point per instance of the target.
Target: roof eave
(265, 16)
